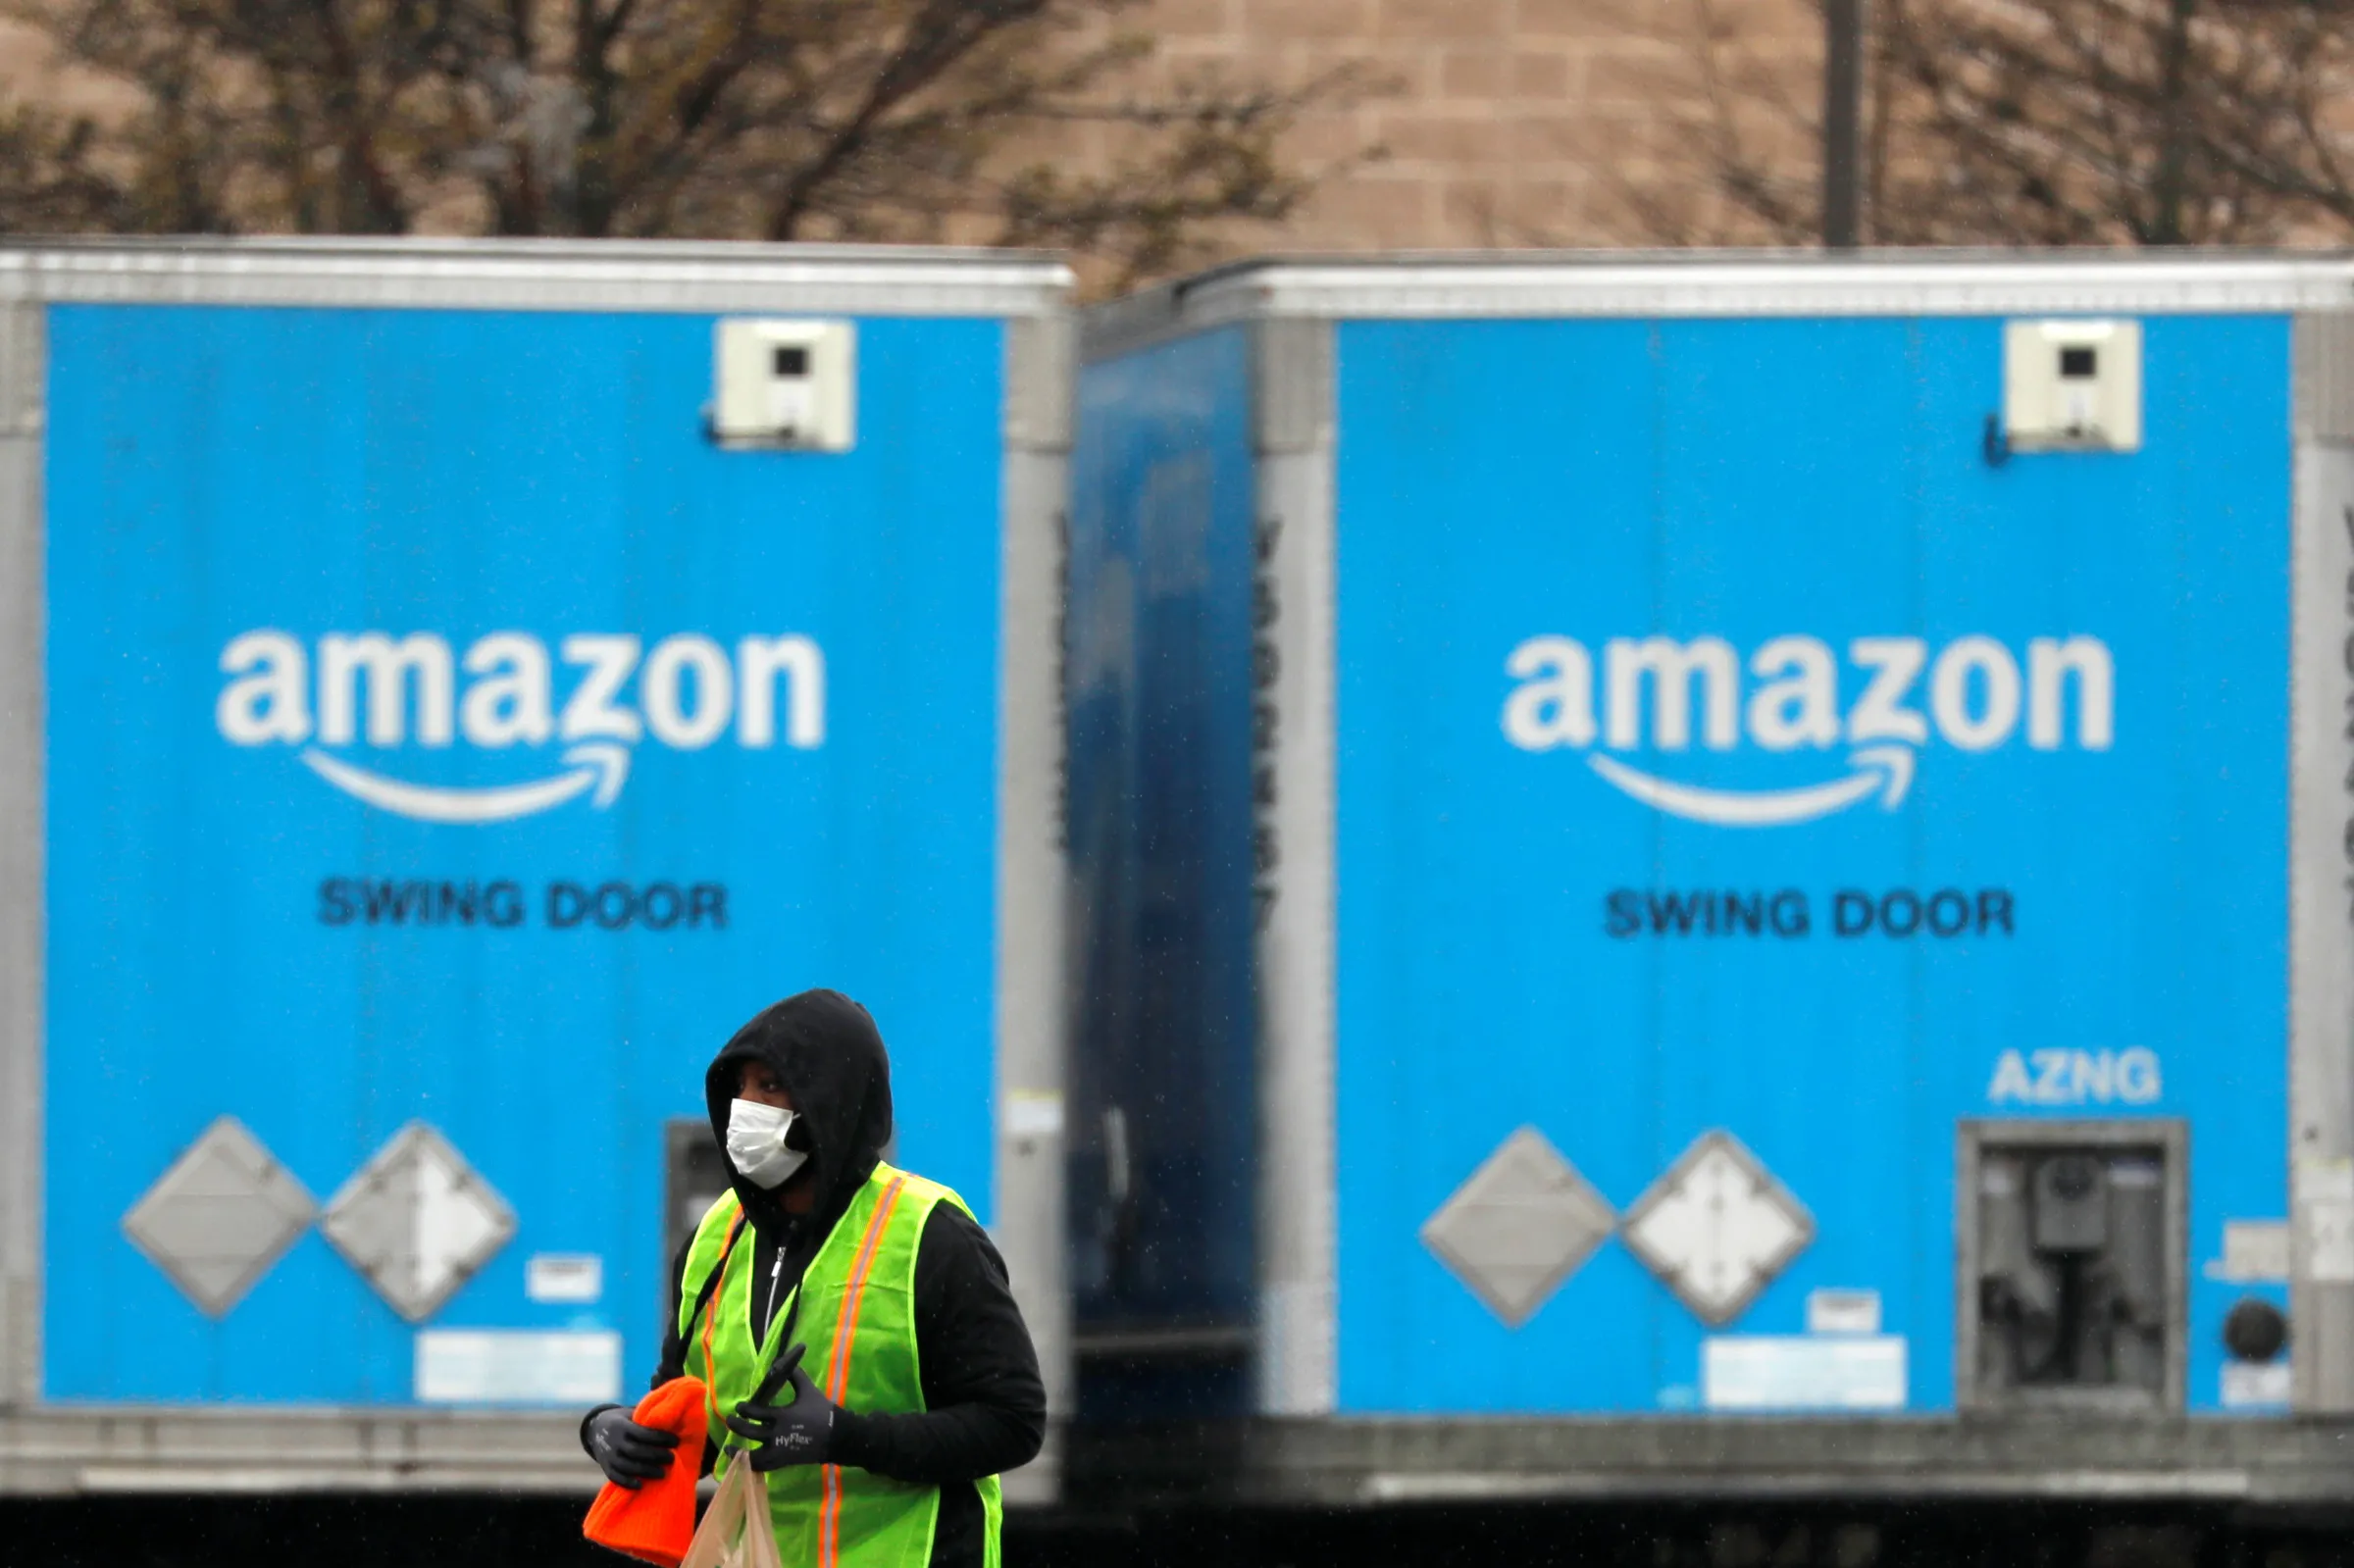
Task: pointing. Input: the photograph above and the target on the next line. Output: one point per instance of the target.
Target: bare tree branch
(885, 119)
(2002, 122)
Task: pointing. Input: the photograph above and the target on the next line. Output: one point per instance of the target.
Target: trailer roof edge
(560, 274)
(1489, 284)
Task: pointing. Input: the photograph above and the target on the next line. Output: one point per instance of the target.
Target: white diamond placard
(1716, 1227)
(220, 1216)
(1519, 1226)
(418, 1222)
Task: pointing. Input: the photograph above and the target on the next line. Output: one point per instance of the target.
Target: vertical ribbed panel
(2322, 351)
(1291, 384)
(1037, 381)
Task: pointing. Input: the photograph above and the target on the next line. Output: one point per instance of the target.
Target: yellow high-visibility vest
(856, 1315)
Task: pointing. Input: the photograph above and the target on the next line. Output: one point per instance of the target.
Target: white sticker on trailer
(2255, 1251)
(574, 1277)
(1835, 1311)
(1032, 1113)
(504, 1366)
(2329, 1181)
(2329, 1241)
(1802, 1372)
(2255, 1385)
(2324, 1192)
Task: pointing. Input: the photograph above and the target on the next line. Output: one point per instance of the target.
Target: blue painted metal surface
(2053, 691)
(215, 472)
(1506, 954)
(1160, 712)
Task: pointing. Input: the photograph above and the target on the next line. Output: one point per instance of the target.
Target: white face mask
(756, 1143)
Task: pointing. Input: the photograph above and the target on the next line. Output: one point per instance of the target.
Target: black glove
(797, 1432)
(629, 1454)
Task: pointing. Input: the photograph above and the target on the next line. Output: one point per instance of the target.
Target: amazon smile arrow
(1885, 771)
(597, 766)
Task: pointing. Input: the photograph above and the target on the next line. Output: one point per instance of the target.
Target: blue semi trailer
(447, 687)
(1663, 842)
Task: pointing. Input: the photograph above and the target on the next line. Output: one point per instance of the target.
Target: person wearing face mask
(854, 1321)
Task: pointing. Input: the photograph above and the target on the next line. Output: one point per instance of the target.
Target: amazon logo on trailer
(1975, 694)
(375, 689)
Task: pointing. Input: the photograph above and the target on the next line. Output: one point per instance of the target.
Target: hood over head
(828, 1053)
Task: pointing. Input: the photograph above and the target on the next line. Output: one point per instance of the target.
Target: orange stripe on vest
(838, 1374)
(711, 1316)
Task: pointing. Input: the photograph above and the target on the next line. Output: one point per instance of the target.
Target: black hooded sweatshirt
(985, 1409)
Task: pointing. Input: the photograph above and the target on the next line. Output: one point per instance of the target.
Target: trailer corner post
(24, 882)
(2321, 763)
(1032, 879)
(1293, 853)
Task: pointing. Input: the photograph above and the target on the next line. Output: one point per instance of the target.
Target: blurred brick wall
(1507, 123)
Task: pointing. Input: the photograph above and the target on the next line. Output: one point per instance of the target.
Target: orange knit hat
(656, 1521)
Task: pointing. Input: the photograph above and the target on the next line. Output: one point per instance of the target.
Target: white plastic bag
(735, 1532)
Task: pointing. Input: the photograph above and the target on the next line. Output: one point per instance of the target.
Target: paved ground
(464, 1532)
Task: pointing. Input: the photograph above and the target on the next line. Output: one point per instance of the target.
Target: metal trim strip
(1393, 1488)
(1293, 845)
(149, 1447)
(2319, 1133)
(23, 846)
(544, 274)
(1729, 284)
(232, 1448)
(1631, 1456)
(1032, 878)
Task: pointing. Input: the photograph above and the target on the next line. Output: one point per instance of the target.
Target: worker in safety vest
(864, 1296)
